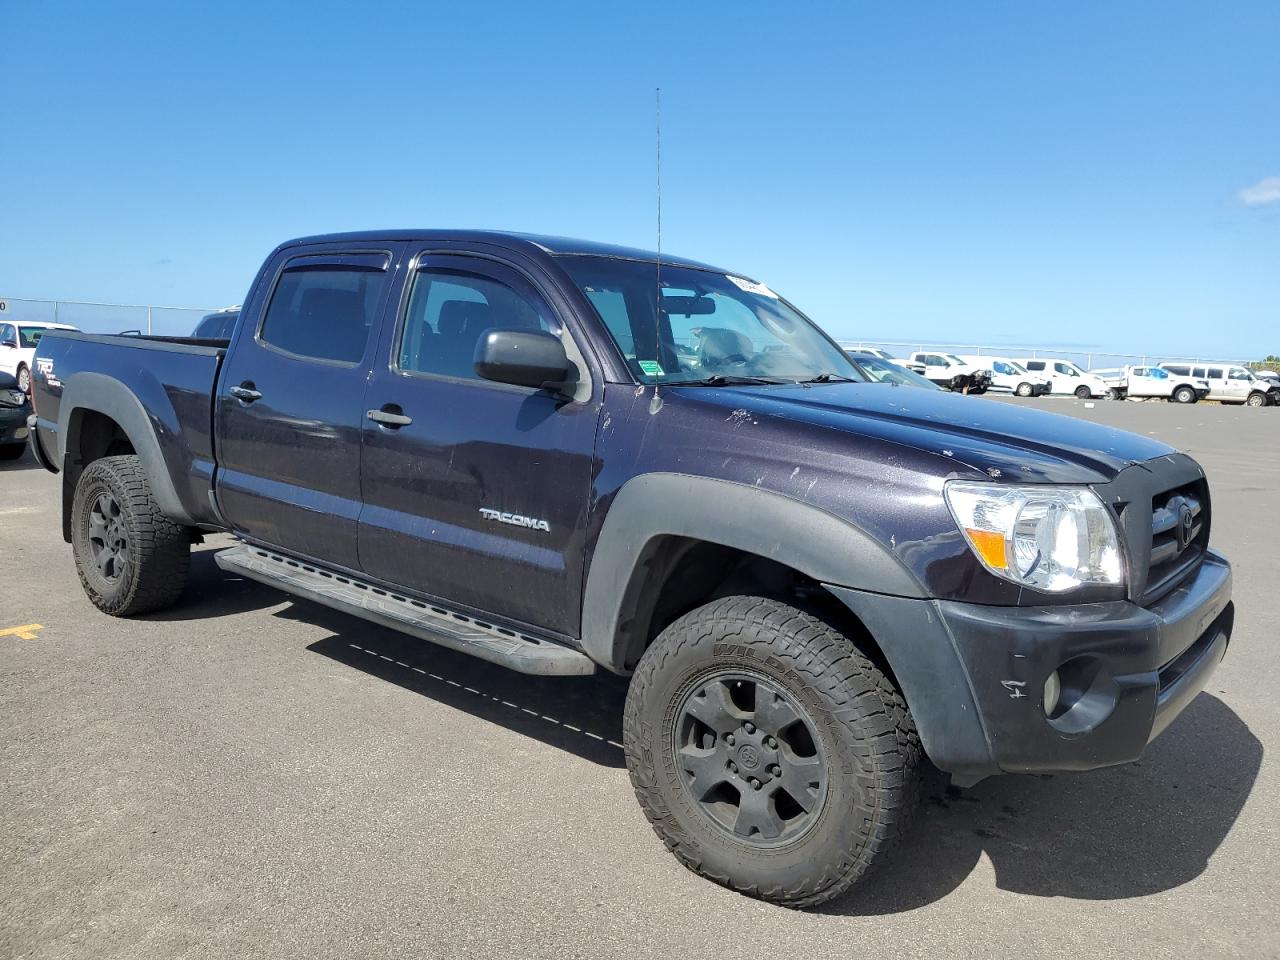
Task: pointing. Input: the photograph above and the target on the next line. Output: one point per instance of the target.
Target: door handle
(388, 417)
(245, 393)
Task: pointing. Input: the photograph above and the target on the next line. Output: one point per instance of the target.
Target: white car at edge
(18, 339)
(1066, 378)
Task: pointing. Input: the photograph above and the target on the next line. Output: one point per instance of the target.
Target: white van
(1066, 378)
(1228, 382)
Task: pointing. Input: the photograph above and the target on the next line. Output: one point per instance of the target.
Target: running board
(427, 621)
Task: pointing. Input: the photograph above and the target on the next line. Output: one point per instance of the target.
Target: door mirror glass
(527, 358)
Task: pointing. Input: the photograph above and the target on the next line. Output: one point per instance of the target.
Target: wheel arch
(97, 415)
(656, 520)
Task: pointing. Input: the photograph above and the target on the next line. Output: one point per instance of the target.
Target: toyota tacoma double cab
(566, 457)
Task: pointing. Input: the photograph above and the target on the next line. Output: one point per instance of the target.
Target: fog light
(1052, 691)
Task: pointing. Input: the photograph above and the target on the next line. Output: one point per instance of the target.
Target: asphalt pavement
(250, 776)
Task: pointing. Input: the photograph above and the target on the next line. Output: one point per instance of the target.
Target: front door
(290, 407)
(475, 492)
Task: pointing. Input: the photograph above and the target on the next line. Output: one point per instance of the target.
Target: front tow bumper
(974, 676)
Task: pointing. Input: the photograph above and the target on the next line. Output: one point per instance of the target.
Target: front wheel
(1257, 400)
(23, 376)
(1184, 395)
(12, 451)
(1024, 390)
(768, 752)
(1083, 392)
(131, 557)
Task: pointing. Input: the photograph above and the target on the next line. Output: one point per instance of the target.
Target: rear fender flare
(799, 535)
(110, 397)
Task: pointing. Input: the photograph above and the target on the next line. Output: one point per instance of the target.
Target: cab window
(1063, 369)
(323, 311)
(450, 310)
(1215, 373)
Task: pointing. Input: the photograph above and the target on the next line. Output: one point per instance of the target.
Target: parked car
(18, 340)
(490, 442)
(883, 354)
(879, 370)
(1152, 383)
(948, 370)
(1228, 383)
(1009, 376)
(217, 325)
(15, 407)
(1066, 378)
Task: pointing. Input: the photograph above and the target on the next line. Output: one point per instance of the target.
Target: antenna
(656, 403)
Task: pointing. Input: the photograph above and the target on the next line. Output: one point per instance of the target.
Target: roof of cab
(555, 246)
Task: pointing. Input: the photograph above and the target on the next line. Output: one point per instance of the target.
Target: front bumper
(974, 676)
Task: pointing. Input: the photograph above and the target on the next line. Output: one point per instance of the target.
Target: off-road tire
(1184, 395)
(159, 550)
(864, 729)
(12, 451)
(1024, 390)
(1083, 392)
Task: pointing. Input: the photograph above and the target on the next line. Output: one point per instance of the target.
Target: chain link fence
(92, 317)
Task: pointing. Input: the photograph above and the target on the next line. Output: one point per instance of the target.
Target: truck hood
(999, 440)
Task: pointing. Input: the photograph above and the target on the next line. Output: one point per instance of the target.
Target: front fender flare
(799, 535)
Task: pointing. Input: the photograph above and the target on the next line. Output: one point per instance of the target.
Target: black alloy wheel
(749, 757)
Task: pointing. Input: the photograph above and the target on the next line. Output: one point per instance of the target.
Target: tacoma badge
(515, 519)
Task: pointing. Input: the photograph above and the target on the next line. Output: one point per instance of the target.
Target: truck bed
(162, 386)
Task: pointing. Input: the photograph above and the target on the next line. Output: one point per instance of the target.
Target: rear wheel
(1083, 392)
(768, 752)
(131, 557)
(1184, 395)
(1257, 400)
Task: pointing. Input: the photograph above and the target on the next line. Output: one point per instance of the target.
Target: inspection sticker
(651, 367)
(750, 286)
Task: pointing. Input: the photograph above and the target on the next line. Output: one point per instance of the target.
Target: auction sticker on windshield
(750, 286)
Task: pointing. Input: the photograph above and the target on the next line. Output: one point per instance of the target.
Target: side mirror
(527, 358)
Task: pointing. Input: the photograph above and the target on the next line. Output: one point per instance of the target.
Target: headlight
(1049, 538)
(12, 398)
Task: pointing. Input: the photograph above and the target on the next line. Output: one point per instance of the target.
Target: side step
(427, 621)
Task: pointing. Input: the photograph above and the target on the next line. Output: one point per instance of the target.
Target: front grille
(1179, 536)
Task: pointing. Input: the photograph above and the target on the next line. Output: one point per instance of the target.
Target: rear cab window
(323, 307)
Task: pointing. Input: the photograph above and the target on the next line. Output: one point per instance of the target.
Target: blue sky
(1027, 173)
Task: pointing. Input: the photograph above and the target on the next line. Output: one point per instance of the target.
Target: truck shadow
(582, 715)
(212, 592)
(1110, 834)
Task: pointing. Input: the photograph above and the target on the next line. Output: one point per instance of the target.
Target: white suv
(18, 339)
(1066, 378)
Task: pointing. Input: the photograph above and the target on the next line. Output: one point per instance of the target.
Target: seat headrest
(462, 316)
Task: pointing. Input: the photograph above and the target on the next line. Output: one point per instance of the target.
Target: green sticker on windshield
(651, 367)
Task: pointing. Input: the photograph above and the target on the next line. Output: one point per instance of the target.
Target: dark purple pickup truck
(563, 456)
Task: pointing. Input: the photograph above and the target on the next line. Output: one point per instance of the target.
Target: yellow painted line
(25, 632)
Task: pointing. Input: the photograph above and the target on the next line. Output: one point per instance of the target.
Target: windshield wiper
(827, 378)
(726, 380)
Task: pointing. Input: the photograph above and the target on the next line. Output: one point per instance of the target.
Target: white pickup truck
(1152, 383)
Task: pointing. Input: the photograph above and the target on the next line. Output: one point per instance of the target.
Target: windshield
(954, 359)
(30, 336)
(710, 326)
(882, 371)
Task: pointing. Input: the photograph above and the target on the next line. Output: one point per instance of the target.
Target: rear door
(289, 410)
(476, 492)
